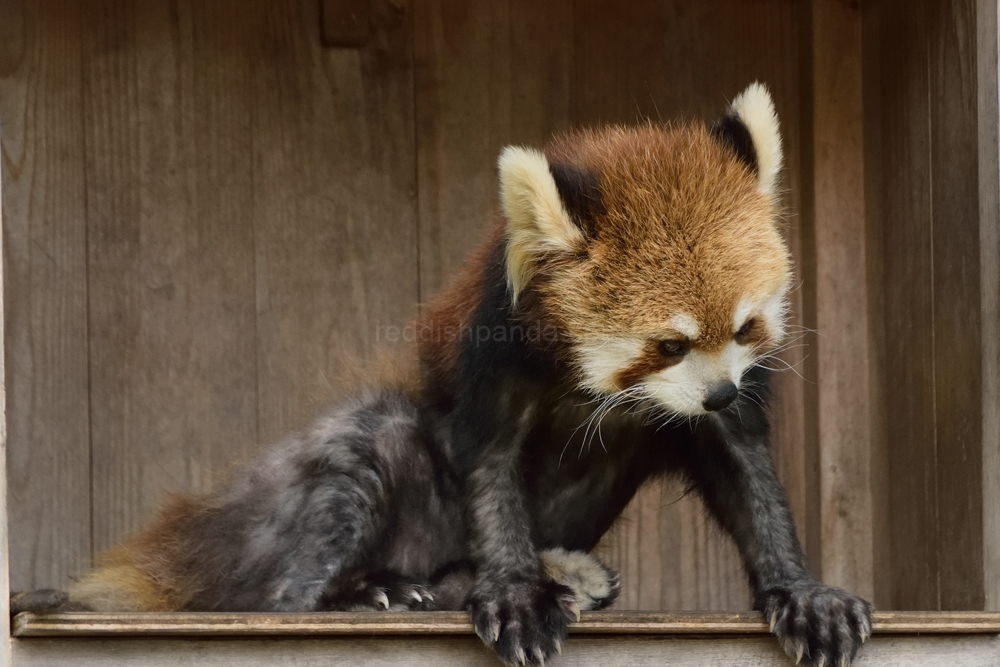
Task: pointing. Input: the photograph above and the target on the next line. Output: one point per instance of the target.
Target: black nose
(720, 396)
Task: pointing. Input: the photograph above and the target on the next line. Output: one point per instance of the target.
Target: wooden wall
(930, 120)
(901, 206)
(208, 210)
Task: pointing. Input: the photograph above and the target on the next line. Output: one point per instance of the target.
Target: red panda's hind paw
(594, 584)
(384, 594)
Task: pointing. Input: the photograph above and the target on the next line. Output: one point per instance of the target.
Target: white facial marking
(601, 361)
(742, 313)
(775, 311)
(682, 388)
(772, 311)
(684, 324)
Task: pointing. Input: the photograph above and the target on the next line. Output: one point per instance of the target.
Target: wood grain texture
(5, 657)
(928, 285)
(345, 22)
(457, 623)
(462, 90)
(882, 561)
(957, 349)
(583, 651)
(907, 380)
(48, 465)
(988, 115)
(334, 211)
(838, 221)
(486, 75)
(169, 205)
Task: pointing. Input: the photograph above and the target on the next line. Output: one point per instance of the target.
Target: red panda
(608, 331)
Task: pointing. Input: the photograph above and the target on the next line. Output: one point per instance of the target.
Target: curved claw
(817, 625)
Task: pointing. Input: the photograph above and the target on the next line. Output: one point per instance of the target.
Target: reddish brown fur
(684, 227)
(443, 319)
(141, 573)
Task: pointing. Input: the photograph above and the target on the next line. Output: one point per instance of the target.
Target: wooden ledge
(455, 623)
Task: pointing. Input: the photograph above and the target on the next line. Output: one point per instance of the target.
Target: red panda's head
(656, 250)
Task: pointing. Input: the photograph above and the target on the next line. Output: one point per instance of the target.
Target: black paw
(817, 624)
(524, 621)
(40, 601)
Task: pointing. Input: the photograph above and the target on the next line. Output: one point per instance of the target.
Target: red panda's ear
(750, 129)
(537, 219)
(580, 192)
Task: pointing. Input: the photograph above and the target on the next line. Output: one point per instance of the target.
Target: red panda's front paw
(816, 624)
(524, 621)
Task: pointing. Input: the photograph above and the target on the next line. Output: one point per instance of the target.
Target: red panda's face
(656, 249)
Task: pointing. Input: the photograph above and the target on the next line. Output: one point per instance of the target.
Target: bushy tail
(144, 572)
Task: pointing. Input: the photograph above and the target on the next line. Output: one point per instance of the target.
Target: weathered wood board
(969, 651)
(925, 146)
(417, 639)
(45, 303)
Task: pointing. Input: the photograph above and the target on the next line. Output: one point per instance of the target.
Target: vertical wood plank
(626, 70)
(882, 560)
(487, 75)
(48, 464)
(169, 197)
(334, 202)
(931, 140)
(957, 345)
(838, 219)
(5, 646)
(463, 88)
(907, 380)
(988, 112)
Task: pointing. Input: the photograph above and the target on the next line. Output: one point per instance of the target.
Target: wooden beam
(838, 218)
(930, 133)
(4, 569)
(989, 270)
(367, 624)
(425, 639)
(45, 271)
(593, 651)
(957, 349)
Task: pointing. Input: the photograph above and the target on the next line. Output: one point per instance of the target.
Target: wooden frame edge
(988, 41)
(370, 624)
(5, 647)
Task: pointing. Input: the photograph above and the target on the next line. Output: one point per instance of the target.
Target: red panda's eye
(674, 348)
(745, 330)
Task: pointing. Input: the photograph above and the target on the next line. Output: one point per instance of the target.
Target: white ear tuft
(756, 110)
(537, 221)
